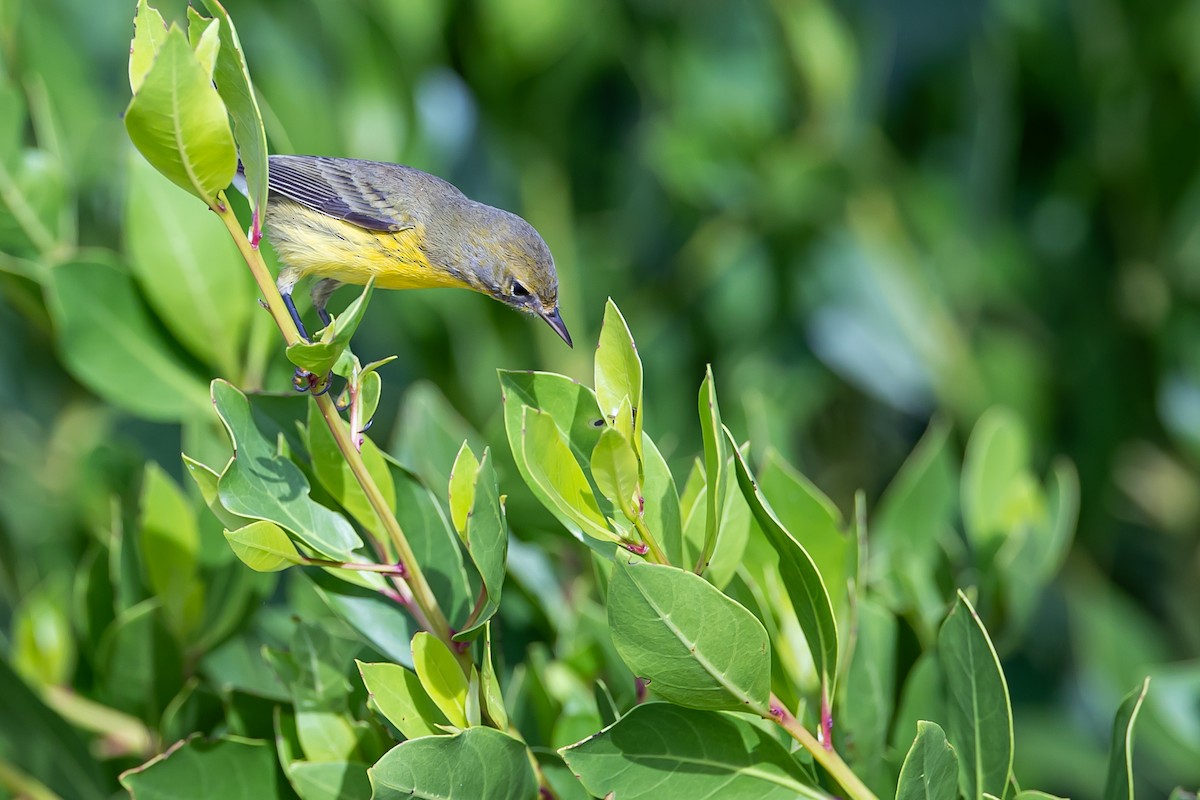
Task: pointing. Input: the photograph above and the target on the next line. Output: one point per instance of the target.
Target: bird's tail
(239, 180)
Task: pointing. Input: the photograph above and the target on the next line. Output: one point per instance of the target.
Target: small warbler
(345, 221)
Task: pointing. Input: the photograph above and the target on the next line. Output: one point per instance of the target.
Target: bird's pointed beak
(554, 320)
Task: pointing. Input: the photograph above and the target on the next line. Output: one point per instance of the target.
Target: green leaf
(615, 468)
(661, 512)
(715, 455)
(233, 83)
(110, 344)
(261, 484)
(141, 663)
(997, 458)
(327, 735)
(336, 477)
(441, 676)
(694, 645)
(1034, 794)
(434, 544)
(189, 269)
(462, 488)
(42, 648)
(493, 697)
(398, 696)
(319, 357)
(178, 122)
(207, 481)
(803, 581)
(569, 403)
(869, 691)
(815, 521)
(329, 780)
(263, 547)
(170, 545)
(487, 545)
(380, 621)
(556, 476)
(930, 770)
(618, 370)
(1119, 783)
(658, 751)
(478, 762)
(733, 536)
(204, 37)
(149, 34)
(920, 699)
(979, 714)
(230, 768)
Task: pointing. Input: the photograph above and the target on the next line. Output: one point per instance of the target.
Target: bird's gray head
(505, 258)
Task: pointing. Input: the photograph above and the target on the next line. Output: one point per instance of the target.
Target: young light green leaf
(615, 468)
(233, 83)
(207, 480)
(149, 33)
(978, 710)
(930, 770)
(478, 762)
(715, 456)
(441, 676)
(178, 122)
(695, 646)
(803, 581)
(462, 488)
(319, 357)
(1119, 783)
(474, 709)
(558, 477)
(487, 545)
(658, 750)
(618, 370)
(110, 344)
(398, 696)
(261, 484)
(493, 697)
(204, 36)
(263, 547)
(233, 768)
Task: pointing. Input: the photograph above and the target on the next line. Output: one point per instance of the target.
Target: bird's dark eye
(519, 291)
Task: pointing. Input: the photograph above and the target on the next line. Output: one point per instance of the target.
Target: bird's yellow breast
(314, 244)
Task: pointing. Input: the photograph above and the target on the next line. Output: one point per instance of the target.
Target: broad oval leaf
(189, 269)
(237, 769)
(930, 770)
(180, 125)
(694, 645)
(398, 695)
(478, 762)
(259, 483)
(803, 580)
(263, 547)
(441, 676)
(110, 344)
(1119, 783)
(659, 751)
(979, 714)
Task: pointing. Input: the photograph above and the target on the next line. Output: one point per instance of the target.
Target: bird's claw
(305, 381)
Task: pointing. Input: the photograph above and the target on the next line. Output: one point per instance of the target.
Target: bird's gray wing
(350, 190)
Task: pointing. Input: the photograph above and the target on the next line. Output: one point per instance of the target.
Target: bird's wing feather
(340, 188)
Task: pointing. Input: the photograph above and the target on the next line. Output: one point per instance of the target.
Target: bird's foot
(305, 381)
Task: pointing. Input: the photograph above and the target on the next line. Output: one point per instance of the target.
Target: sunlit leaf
(263, 546)
(441, 676)
(487, 545)
(178, 122)
(658, 750)
(615, 468)
(398, 695)
(462, 488)
(558, 477)
(318, 357)
(149, 33)
(695, 646)
(618, 370)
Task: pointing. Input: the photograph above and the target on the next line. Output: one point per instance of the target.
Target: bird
(345, 221)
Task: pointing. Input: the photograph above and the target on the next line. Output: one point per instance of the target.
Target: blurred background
(863, 214)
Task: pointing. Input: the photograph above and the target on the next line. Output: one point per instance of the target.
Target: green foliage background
(863, 214)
